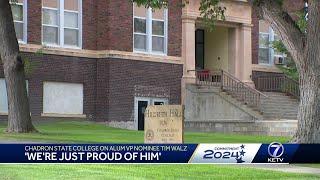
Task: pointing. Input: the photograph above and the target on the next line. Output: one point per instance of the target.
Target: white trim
(61, 27)
(149, 34)
(150, 101)
(53, 114)
(50, 25)
(24, 21)
(136, 100)
(50, 8)
(63, 115)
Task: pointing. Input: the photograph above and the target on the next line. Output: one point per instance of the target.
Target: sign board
(163, 124)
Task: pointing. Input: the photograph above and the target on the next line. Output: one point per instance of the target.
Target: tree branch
(283, 24)
(313, 35)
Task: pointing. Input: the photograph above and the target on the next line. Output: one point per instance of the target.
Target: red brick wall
(126, 74)
(255, 38)
(89, 24)
(61, 69)
(119, 26)
(34, 21)
(174, 28)
(292, 7)
(109, 84)
(108, 24)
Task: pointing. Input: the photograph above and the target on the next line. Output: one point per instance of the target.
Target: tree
(304, 47)
(19, 119)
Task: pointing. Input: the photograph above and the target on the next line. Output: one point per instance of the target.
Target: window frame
(24, 21)
(59, 83)
(149, 34)
(61, 27)
(265, 47)
(271, 50)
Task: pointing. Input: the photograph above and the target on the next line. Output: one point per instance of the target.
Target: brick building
(102, 60)
(107, 60)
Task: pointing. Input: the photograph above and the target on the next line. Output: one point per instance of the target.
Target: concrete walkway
(290, 168)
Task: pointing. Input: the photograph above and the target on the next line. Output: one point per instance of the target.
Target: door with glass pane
(140, 106)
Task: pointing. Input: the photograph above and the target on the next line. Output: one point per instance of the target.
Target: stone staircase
(279, 106)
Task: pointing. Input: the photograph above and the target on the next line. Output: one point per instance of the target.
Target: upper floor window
(268, 55)
(150, 30)
(61, 23)
(19, 13)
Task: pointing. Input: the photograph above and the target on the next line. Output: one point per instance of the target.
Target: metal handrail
(230, 84)
(279, 83)
(244, 84)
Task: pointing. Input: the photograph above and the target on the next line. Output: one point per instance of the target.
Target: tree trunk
(304, 48)
(309, 110)
(19, 120)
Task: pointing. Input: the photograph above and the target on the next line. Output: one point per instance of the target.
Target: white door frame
(150, 101)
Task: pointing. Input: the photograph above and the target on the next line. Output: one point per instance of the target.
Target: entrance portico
(227, 47)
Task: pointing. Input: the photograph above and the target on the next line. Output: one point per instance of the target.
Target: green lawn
(86, 132)
(141, 172)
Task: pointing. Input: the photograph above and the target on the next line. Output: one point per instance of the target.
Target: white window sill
(63, 115)
(149, 53)
(3, 114)
(61, 47)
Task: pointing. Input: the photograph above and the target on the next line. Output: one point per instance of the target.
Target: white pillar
(188, 53)
(244, 64)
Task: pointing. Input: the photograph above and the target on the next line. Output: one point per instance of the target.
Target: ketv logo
(275, 150)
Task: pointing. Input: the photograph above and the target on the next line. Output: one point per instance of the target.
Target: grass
(310, 165)
(141, 172)
(88, 132)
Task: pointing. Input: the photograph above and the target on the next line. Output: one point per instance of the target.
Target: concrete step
(279, 99)
(279, 106)
(286, 107)
(277, 114)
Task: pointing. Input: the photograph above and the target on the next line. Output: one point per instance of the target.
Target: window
(19, 13)
(61, 23)
(62, 98)
(3, 96)
(267, 54)
(264, 48)
(150, 30)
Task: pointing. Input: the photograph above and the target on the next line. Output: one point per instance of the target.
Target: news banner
(160, 153)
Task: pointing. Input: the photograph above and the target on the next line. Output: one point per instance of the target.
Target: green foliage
(158, 4)
(302, 21)
(279, 46)
(211, 11)
(290, 70)
(30, 66)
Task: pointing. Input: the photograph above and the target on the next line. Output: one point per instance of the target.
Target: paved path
(290, 168)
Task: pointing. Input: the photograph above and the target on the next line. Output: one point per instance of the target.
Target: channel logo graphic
(275, 150)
